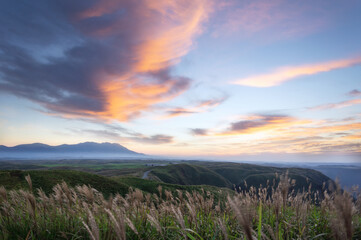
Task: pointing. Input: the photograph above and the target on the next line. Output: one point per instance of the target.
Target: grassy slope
(4, 165)
(185, 174)
(220, 174)
(46, 179)
(255, 175)
(228, 174)
(151, 186)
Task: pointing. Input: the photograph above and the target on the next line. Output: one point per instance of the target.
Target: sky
(187, 78)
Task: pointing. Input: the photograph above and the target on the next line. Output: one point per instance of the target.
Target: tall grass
(263, 213)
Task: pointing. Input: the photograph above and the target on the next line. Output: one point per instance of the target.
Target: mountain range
(80, 150)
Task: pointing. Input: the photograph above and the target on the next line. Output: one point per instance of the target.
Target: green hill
(177, 176)
(185, 174)
(151, 186)
(228, 174)
(47, 179)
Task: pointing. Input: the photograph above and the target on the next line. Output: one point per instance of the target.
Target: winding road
(145, 174)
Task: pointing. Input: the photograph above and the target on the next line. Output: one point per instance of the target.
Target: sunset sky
(183, 78)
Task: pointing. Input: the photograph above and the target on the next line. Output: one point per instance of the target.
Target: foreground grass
(83, 213)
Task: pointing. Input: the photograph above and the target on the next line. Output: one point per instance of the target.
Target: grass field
(219, 174)
(47, 179)
(101, 167)
(166, 211)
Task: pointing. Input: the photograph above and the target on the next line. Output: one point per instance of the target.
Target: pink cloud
(337, 105)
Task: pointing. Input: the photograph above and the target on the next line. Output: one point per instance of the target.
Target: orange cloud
(211, 102)
(166, 33)
(320, 137)
(353, 137)
(175, 112)
(283, 134)
(126, 101)
(180, 22)
(170, 37)
(288, 73)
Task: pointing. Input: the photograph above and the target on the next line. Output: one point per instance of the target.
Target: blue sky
(185, 78)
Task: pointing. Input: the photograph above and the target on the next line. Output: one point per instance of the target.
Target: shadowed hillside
(185, 174)
(239, 175)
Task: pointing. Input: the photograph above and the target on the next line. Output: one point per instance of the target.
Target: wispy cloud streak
(199, 107)
(260, 123)
(285, 74)
(343, 104)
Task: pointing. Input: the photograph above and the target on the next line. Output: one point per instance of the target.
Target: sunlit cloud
(175, 112)
(283, 134)
(353, 136)
(116, 63)
(167, 42)
(342, 104)
(260, 123)
(211, 102)
(284, 74)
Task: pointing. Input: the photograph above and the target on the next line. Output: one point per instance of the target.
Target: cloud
(155, 139)
(354, 93)
(277, 18)
(252, 124)
(284, 74)
(259, 123)
(336, 105)
(211, 102)
(199, 107)
(255, 134)
(353, 136)
(116, 133)
(175, 112)
(316, 137)
(199, 131)
(97, 59)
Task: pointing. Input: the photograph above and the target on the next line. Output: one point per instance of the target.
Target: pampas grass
(271, 212)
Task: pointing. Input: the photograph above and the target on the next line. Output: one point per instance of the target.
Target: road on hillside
(145, 174)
